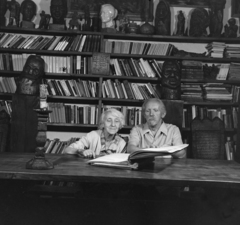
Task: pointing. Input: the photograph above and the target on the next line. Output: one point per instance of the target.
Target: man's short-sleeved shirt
(142, 137)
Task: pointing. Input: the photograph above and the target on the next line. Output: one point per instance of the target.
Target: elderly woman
(103, 141)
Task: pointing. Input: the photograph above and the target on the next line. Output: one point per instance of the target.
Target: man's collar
(162, 128)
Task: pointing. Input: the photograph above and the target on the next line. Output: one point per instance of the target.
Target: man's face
(153, 114)
(171, 75)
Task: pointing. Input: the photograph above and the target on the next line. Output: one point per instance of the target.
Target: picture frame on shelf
(235, 12)
(134, 8)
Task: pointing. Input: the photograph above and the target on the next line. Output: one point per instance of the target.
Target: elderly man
(155, 132)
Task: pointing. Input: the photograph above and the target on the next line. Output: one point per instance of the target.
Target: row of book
(128, 90)
(79, 43)
(232, 51)
(7, 106)
(216, 49)
(228, 115)
(7, 85)
(230, 147)
(73, 87)
(137, 47)
(135, 67)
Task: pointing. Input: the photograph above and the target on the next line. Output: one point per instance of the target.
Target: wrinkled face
(153, 114)
(106, 14)
(171, 75)
(112, 124)
(28, 12)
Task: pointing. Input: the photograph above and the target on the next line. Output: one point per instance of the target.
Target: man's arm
(134, 141)
(177, 140)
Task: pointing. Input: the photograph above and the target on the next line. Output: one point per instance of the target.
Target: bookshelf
(76, 68)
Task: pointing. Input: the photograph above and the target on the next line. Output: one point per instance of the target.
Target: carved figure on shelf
(45, 19)
(14, 17)
(146, 28)
(198, 23)
(171, 80)
(180, 24)
(163, 18)
(108, 14)
(123, 20)
(231, 28)
(216, 17)
(182, 53)
(87, 19)
(28, 10)
(24, 101)
(3, 10)
(58, 9)
(210, 72)
(74, 23)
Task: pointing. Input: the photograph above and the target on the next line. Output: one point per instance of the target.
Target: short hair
(159, 101)
(114, 112)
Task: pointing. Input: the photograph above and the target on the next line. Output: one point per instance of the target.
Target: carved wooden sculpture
(180, 24)
(14, 17)
(199, 23)
(216, 17)
(24, 101)
(58, 9)
(163, 18)
(28, 10)
(231, 28)
(171, 80)
(3, 10)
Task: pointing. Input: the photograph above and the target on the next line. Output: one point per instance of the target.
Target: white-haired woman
(103, 141)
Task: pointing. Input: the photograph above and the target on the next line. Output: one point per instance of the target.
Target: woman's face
(112, 124)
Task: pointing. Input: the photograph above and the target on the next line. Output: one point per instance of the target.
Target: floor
(108, 205)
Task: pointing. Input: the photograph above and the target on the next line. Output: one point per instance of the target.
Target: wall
(45, 5)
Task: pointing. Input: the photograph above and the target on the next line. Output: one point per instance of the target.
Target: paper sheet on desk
(167, 149)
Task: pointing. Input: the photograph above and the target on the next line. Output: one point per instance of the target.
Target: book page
(112, 158)
(166, 149)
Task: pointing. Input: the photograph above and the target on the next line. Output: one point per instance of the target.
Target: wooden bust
(171, 80)
(28, 11)
(58, 9)
(24, 101)
(163, 18)
(14, 16)
(3, 10)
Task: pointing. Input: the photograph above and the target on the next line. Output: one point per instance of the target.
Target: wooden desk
(216, 173)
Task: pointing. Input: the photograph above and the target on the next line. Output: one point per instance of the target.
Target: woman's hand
(87, 153)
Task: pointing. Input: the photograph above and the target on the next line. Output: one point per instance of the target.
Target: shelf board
(71, 127)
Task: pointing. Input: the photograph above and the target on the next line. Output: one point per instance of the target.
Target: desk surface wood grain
(219, 173)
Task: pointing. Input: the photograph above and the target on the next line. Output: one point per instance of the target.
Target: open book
(135, 159)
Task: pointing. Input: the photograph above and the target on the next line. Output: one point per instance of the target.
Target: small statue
(3, 10)
(74, 23)
(14, 17)
(210, 72)
(108, 14)
(58, 9)
(123, 21)
(231, 29)
(45, 19)
(87, 20)
(171, 80)
(199, 22)
(28, 10)
(216, 17)
(163, 18)
(180, 24)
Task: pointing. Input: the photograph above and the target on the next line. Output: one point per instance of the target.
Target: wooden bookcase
(99, 101)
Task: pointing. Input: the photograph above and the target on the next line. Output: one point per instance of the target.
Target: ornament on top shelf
(230, 29)
(163, 18)
(180, 24)
(108, 14)
(44, 21)
(14, 16)
(28, 10)
(146, 28)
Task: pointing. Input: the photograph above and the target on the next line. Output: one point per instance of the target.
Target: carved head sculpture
(171, 80)
(29, 80)
(58, 11)
(28, 10)
(3, 10)
(216, 5)
(108, 14)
